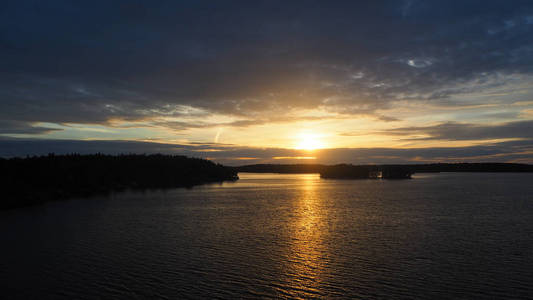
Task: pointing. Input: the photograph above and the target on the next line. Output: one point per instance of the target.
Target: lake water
(444, 235)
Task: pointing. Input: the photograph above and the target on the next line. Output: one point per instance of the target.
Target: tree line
(38, 179)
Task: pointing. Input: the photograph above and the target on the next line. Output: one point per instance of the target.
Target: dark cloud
(16, 127)
(89, 62)
(453, 131)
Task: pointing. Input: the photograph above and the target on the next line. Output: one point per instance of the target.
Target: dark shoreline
(34, 180)
(415, 168)
(348, 171)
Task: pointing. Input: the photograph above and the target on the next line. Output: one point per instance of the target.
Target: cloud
(453, 131)
(16, 127)
(92, 62)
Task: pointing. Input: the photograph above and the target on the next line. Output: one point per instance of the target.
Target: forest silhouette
(33, 180)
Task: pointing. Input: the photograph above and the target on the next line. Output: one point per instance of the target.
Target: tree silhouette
(33, 180)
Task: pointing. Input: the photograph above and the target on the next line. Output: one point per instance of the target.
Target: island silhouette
(37, 179)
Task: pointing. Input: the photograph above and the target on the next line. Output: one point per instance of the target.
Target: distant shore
(347, 171)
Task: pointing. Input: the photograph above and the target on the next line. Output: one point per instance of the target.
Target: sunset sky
(245, 82)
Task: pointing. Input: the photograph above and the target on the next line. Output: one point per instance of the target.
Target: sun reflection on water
(308, 253)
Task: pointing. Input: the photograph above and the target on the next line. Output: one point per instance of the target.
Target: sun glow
(309, 141)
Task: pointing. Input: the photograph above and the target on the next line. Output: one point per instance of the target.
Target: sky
(243, 82)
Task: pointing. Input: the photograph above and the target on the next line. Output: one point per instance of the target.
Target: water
(436, 236)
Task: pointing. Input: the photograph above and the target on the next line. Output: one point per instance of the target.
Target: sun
(309, 141)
